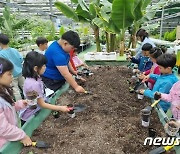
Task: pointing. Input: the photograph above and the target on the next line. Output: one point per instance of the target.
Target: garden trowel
(88, 92)
(79, 108)
(149, 108)
(40, 144)
(140, 85)
(162, 149)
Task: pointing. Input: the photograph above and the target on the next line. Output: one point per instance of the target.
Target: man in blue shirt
(58, 67)
(13, 55)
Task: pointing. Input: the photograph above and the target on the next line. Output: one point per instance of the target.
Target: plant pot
(171, 127)
(145, 117)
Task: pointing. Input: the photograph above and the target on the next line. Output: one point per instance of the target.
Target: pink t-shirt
(77, 61)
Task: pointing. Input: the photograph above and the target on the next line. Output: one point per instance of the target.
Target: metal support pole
(162, 16)
(51, 11)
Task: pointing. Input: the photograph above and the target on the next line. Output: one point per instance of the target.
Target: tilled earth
(111, 123)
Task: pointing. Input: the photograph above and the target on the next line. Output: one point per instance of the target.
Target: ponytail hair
(142, 34)
(33, 59)
(6, 92)
(155, 52)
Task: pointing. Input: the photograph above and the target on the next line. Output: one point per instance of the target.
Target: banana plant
(122, 16)
(82, 13)
(143, 13)
(104, 22)
(138, 11)
(7, 23)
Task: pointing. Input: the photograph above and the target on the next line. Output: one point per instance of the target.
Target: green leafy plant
(170, 36)
(82, 13)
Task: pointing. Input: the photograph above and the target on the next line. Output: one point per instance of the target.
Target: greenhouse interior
(89, 76)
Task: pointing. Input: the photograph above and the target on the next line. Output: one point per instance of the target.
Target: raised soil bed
(111, 123)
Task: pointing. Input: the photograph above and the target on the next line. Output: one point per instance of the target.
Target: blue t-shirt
(16, 59)
(56, 56)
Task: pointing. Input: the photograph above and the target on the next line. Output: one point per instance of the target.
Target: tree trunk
(133, 37)
(122, 47)
(107, 42)
(122, 44)
(96, 33)
(112, 42)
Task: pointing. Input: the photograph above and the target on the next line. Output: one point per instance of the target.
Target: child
(173, 97)
(164, 81)
(42, 44)
(77, 62)
(74, 63)
(16, 59)
(9, 130)
(153, 54)
(144, 62)
(33, 67)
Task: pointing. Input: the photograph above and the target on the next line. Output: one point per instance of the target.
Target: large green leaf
(98, 22)
(138, 9)
(92, 9)
(83, 5)
(112, 27)
(102, 14)
(66, 10)
(106, 3)
(122, 15)
(105, 16)
(6, 13)
(145, 3)
(74, 1)
(83, 13)
(82, 19)
(97, 2)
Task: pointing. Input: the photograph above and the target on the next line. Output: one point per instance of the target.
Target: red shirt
(71, 60)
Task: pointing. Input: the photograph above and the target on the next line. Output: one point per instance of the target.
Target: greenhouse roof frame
(14, 5)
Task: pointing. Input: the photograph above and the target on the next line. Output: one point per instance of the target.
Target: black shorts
(53, 84)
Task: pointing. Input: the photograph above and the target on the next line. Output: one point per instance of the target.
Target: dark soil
(111, 123)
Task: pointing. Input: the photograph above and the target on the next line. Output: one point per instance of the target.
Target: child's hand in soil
(141, 91)
(82, 79)
(145, 78)
(64, 108)
(79, 89)
(141, 76)
(26, 141)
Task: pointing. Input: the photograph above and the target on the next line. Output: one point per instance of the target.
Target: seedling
(56, 114)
